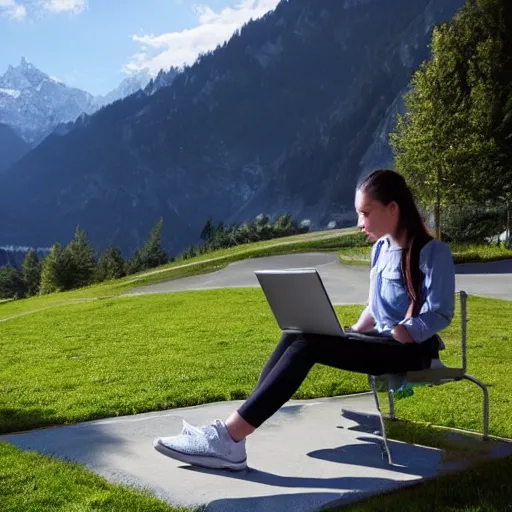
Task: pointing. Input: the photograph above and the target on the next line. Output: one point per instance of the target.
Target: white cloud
(12, 10)
(178, 48)
(74, 6)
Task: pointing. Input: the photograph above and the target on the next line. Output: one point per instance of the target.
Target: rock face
(12, 146)
(129, 85)
(33, 103)
(282, 118)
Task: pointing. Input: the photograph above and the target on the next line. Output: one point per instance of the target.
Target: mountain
(12, 146)
(282, 118)
(34, 103)
(163, 79)
(129, 85)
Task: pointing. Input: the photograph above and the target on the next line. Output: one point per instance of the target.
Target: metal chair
(436, 375)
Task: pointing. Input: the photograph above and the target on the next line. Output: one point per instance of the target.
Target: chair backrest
(463, 325)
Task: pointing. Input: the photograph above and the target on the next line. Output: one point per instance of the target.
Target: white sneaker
(209, 447)
(190, 430)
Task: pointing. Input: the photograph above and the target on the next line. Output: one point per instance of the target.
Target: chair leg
(483, 387)
(391, 400)
(382, 425)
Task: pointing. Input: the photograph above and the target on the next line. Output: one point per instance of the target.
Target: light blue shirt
(388, 300)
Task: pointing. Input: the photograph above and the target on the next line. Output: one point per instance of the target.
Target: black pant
(296, 354)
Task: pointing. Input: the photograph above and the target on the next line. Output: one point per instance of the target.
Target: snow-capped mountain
(34, 103)
(128, 86)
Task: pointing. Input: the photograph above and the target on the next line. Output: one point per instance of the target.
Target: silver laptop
(300, 302)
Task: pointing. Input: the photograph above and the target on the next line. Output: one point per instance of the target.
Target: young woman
(412, 288)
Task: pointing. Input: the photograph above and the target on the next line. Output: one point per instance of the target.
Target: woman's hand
(401, 334)
(366, 322)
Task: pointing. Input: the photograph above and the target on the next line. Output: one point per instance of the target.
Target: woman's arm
(436, 262)
(366, 322)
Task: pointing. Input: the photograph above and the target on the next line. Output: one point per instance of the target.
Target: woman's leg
(222, 445)
(287, 338)
(294, 364)
(237, 427)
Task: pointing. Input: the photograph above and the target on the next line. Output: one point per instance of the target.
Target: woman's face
(374, 218)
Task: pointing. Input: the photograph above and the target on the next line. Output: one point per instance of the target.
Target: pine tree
(31, 272)
(12, 285)
(110, 265)
(80, 260)
(152, 254)
(52, 272)
(134, 264)
(208, 232)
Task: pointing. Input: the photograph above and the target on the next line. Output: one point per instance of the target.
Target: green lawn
(30, 482)
(127, 355)
(484, 488)
(114, 356)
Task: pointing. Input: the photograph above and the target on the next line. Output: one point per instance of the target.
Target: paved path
(299, 460)
(345, 284)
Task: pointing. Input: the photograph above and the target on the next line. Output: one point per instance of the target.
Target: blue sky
(94, 44)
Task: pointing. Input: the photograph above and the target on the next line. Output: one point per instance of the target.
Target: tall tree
(453, 143)
(208, 231)
(52, 273)
(151, 254)
(110, 265)
(80, 260)
(31, 272)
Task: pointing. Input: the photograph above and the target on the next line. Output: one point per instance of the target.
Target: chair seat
(436, 374)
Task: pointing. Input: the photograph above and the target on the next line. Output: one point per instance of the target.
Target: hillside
(280, 118)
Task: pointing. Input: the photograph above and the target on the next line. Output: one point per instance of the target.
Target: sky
(94, 44)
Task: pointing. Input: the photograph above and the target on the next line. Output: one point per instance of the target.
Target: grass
(90, 360)
(462, 253)
(484, 488)
(31, 482)
(94, 359)
(97, 359)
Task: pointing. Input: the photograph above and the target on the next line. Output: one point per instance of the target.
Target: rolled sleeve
(436, 262)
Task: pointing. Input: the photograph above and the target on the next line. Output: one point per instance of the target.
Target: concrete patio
(305, 458)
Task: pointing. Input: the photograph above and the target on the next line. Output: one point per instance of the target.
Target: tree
(134, 264)
(31, 272)
(11, 284)
(151, 254)
(208, 232)
(80, 261)
(110, 265)
(455, 134)
(285, 225)
(52, 272)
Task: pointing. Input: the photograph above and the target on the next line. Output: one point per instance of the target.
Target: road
(345, 284)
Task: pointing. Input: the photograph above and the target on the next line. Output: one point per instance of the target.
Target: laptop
(300, 302)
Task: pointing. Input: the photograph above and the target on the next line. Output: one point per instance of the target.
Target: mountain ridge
(283, 117)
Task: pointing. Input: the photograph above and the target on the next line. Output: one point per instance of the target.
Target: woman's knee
(297, 345)
(289, 337)
(303, 345)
